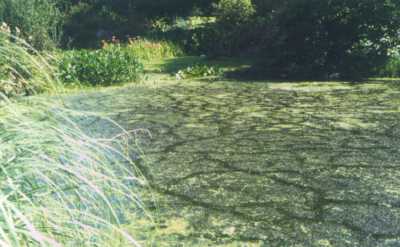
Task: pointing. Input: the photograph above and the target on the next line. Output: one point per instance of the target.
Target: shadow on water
(173, 65)
(280, 164)
(243, 70)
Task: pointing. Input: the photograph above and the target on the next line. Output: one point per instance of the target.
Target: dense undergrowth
(391, 68)
(106, 66)
(59, 186)
(114, 62)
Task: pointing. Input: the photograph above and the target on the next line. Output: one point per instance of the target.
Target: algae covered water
(268, 164)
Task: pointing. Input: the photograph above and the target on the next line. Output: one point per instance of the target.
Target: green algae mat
(264, 164)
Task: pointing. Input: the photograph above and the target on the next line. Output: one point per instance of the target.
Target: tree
(307, 38)
(85, 18)
(39, 20)
(318, 38)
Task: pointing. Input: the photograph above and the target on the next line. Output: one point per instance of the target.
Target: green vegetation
(391, 68)
(38, 21)
(199, 123)
(114, 62)
(111, 64)
(302, 39)
(60, 186)
(148, 50)
(345, 38)
(23, 71)
(198, 71)
(87, 22)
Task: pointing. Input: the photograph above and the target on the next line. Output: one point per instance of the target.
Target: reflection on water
(302, 164)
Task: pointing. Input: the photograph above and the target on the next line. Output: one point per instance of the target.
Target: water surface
(272, 164)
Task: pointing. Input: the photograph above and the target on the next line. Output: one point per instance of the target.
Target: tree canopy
(331, 36)
(298, 38)
(313, 37)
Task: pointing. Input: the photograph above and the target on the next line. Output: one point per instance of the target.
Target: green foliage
(391, 68)
(306, 38)
(233, 12)
(21, 70)
(40, 21)
(86, 24)
(302, 38)
(59, 186)
(171, 8)
(89, 21)
(233, 33)
(115, 62)
(197, 71)
(149, 50)
(345, 37)
(111, 64)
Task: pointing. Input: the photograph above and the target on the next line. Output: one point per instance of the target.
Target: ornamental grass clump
(59, 186)
(23, 70)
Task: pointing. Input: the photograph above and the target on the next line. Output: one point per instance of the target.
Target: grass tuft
(23, 70)
(59, 186)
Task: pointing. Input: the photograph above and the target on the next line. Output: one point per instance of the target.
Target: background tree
(86, 19)
(40, 21)
(306, 38)
(321, 38)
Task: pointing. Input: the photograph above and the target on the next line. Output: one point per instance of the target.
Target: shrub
(232, 33)
(234, 12)
(391, 68)
(111, 64)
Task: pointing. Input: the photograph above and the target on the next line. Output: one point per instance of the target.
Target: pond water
(272, 164)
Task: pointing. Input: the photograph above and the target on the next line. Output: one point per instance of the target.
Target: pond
(267, 164)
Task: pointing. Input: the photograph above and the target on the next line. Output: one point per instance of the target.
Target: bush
(233, 32)
(391, 68)
(234, 12)
(111, 64)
